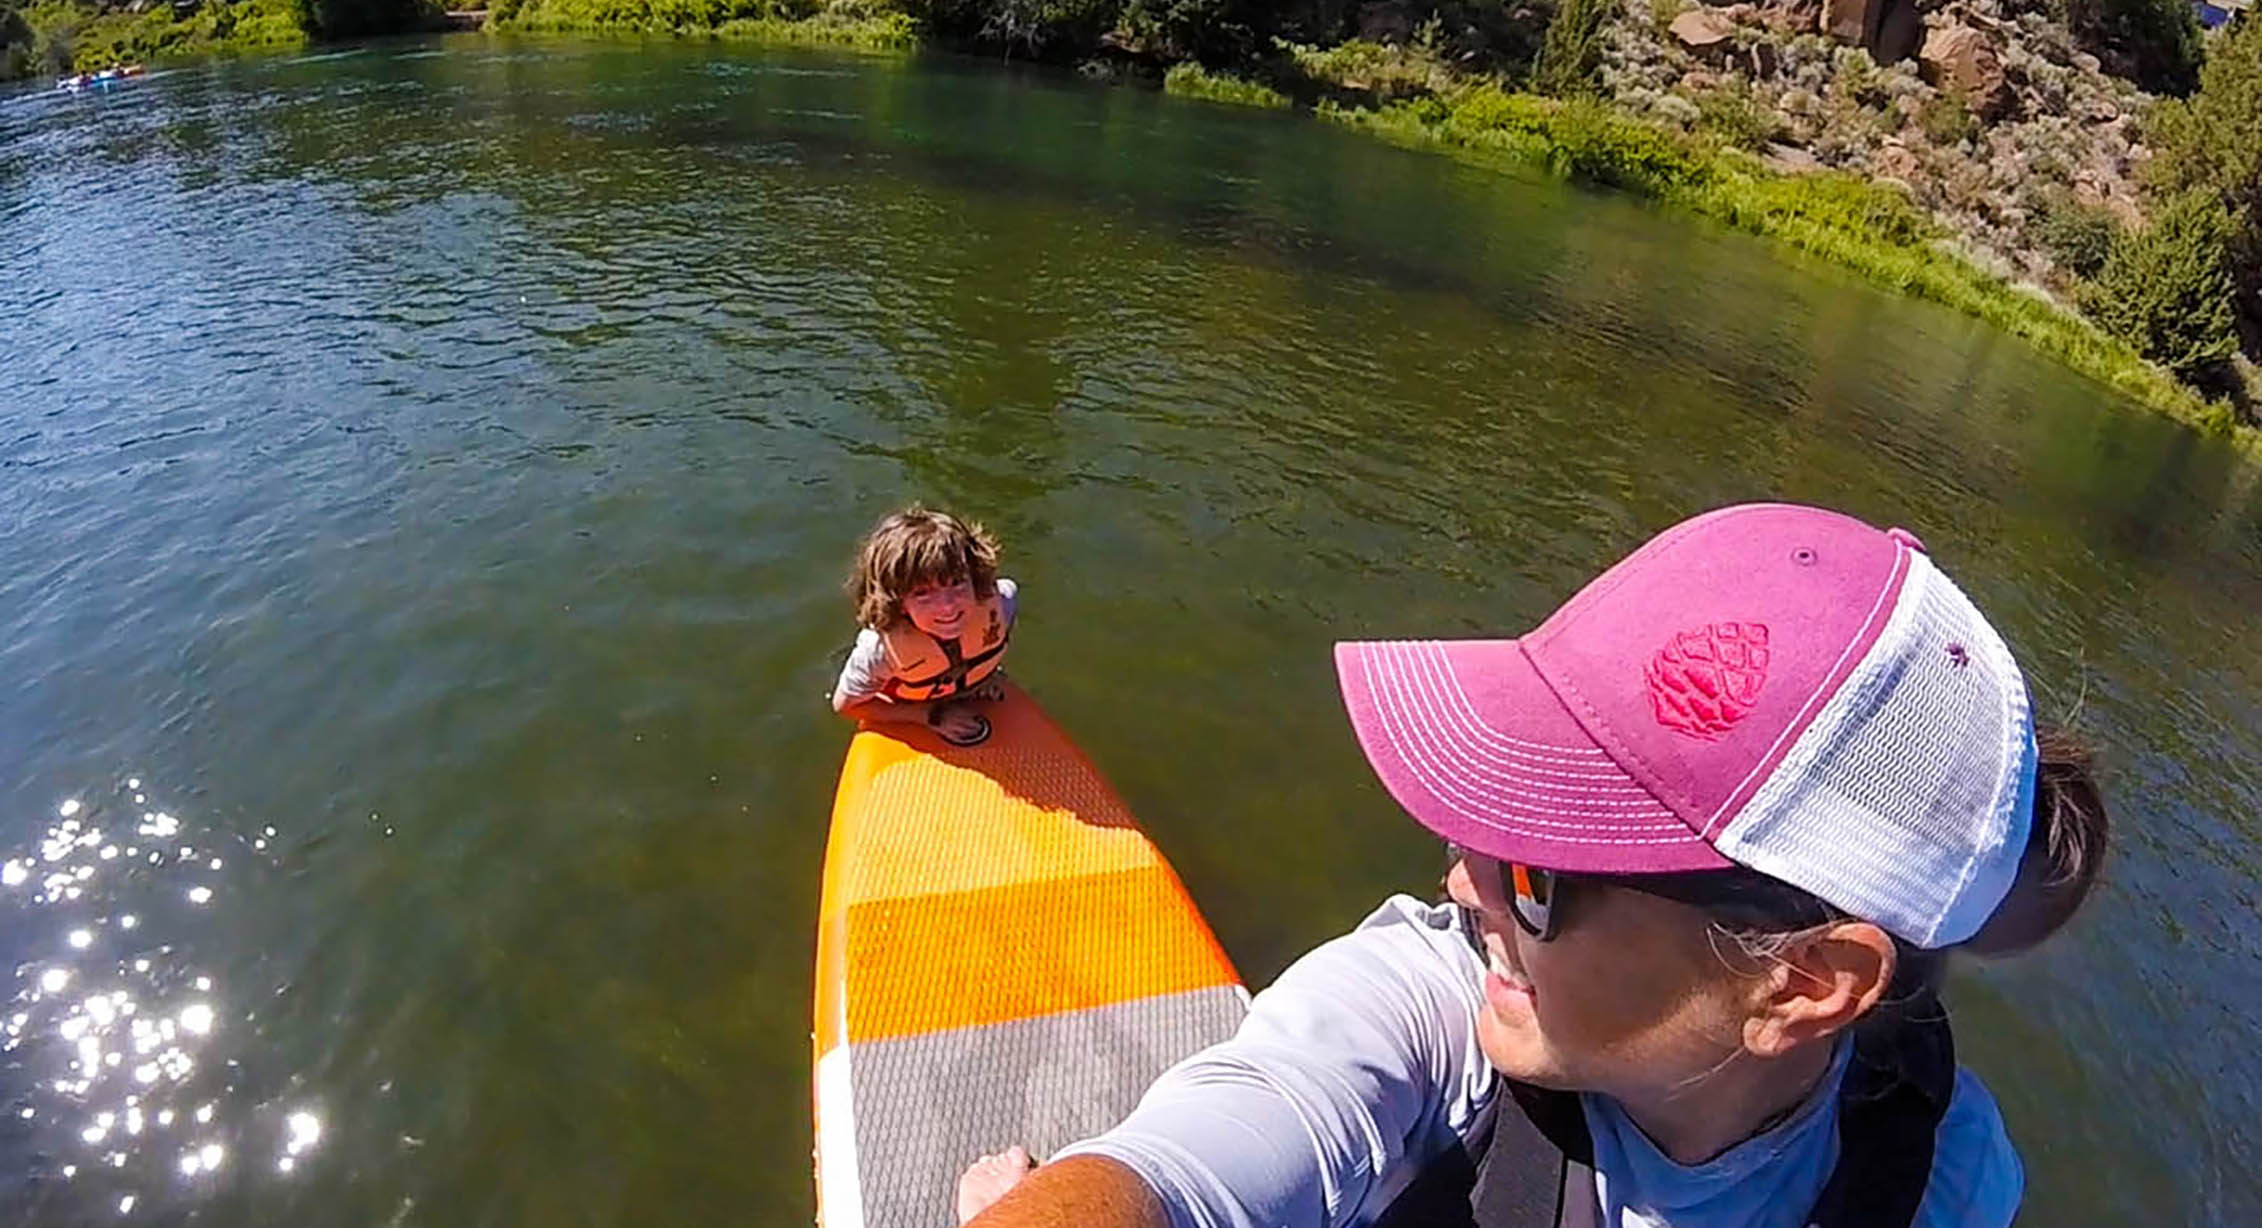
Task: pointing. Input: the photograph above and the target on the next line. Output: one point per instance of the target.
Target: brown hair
(912, 548)
(2065, 849)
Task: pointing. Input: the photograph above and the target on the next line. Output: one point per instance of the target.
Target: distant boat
(101, 79)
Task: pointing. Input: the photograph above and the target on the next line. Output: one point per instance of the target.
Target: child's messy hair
(912, 548)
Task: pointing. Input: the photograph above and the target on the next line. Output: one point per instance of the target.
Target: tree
(16, 53)
(1570, 58)
(2166, 289)
(2208, 144)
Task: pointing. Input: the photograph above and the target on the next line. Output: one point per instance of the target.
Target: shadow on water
(449, 461)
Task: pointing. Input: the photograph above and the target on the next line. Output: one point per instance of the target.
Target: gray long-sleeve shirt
(1360, 1064)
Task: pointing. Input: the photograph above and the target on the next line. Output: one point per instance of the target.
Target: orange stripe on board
(954, 961)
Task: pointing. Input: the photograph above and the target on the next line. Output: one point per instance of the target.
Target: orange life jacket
(923, 667)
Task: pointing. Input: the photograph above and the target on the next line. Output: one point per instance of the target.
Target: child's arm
(952, 718)
(862, 678)
(884, 710)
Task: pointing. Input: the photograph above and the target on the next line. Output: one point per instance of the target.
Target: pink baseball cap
(1773, 686)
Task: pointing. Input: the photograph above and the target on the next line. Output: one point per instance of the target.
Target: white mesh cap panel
(1907, 801)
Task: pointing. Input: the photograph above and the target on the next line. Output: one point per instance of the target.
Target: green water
(446, 455)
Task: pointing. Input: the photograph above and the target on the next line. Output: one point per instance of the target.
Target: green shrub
(1570, 59)
(1858, 79)
(2166, 289)
(2078, 237)
(1213, 32)
(1386, 71)
(857, 24)
(1194, 81)
(1594, 143)
(1831, 202)
(1945, 119)
(1734, 114)
(1491, 109)
(2155, 43)
(830, 28)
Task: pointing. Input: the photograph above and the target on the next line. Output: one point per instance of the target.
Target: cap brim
(1475, 745)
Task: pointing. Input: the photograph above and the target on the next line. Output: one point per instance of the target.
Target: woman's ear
(1824, 980)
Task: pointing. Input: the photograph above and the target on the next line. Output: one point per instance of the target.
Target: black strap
(955, 667)
(1513, 1190)
(1511, 1172)
(1896, 1091)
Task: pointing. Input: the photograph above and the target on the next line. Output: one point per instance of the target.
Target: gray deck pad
(927, 1106)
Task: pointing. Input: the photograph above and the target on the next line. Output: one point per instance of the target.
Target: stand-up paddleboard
(1002, 958)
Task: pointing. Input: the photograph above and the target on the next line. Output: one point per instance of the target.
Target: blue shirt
(1360, 1065)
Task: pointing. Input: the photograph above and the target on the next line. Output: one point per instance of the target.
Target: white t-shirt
(867, 671)
(1360, 1065)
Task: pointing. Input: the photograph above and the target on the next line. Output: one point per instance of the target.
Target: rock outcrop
(1887, 29)
(1704, 32)
(1987, 116)
(1962, 61)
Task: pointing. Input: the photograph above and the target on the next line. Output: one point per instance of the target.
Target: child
(935, 618)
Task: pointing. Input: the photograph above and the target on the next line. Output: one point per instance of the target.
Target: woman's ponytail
(2065, 849)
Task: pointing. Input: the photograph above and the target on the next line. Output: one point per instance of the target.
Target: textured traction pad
(1002, 957)
(1045, 1082)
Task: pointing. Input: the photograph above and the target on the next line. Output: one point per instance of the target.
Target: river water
(426, 475)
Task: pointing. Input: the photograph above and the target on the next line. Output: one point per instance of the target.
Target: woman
(1714, 828)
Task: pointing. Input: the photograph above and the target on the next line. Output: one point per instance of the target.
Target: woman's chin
(1511, 1043)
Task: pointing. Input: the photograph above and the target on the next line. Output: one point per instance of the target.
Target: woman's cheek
(1601, 995)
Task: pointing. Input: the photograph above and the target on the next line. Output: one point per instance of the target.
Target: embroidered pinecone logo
(1704, 681)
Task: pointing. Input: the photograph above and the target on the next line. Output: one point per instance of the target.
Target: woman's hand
(986, 1180)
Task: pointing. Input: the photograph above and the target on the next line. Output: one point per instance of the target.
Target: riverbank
(1871, 229)
(60, 36)
(838, 26)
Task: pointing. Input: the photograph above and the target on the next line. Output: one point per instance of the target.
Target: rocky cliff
(1984, 111)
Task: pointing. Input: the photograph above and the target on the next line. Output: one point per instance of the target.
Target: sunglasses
(1738, 896)
(1533, 893)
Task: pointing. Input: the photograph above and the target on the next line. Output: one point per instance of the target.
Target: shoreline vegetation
(2147, 284)
(1870, 230)
(839, 27)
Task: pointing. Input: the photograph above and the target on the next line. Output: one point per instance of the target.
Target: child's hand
(959, 726)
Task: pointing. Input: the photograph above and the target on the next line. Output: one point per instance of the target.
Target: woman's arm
(1078, 1192)
(1354, 1069)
